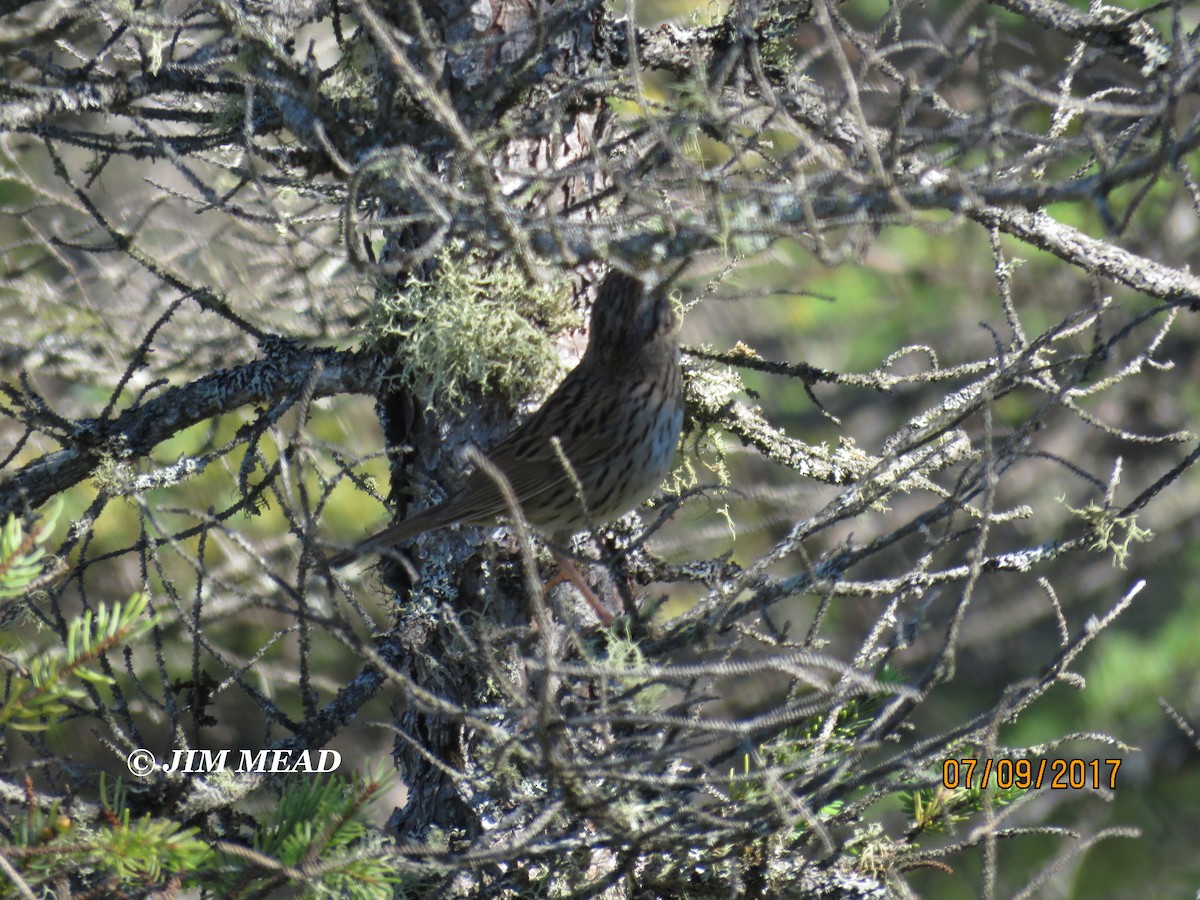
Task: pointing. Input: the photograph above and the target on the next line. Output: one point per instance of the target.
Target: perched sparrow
(617, 416)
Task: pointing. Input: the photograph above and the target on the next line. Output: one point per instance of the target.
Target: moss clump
(473, 331)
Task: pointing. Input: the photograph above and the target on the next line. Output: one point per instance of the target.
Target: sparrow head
(627, 318)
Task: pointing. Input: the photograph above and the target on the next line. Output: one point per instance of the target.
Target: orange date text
(1056, 774)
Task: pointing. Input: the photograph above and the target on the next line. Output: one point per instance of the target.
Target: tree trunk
(490, 42)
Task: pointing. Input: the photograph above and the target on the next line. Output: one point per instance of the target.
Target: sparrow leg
(568, 572)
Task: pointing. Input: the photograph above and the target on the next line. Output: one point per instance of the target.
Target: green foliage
(144, 850)
(796, 751)
(48, 846)
(472, 331)
(21, 552)
(317, 829)
(938, 809)
(41, 687)
(315, 838)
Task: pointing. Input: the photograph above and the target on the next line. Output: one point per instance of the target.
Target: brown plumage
(617, 416)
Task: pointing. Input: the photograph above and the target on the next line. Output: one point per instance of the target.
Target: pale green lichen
(709, 388)
(110, 475)
(625, 654)
(352, 78)
(472, 332)
(1113, 533)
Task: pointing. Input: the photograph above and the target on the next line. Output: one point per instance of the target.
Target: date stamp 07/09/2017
(1056, 774)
